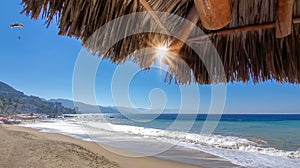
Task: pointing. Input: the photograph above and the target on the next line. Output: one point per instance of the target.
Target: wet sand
(29, 148)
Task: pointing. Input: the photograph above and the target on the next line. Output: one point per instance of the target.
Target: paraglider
(17, 25)
(13, 25)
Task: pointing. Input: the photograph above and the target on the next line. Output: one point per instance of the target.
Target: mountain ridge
(14, 102)
(83, 107)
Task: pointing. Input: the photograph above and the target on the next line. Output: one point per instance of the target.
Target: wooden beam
(233, 30)
(214, 14)
(239, 29)
(284, 18)
(185, 30)
(154, 16)
(296, 20)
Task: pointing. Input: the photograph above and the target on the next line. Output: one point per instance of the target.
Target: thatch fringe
(255, 55)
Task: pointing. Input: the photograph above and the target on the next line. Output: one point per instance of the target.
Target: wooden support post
(185, 30)
(154, 16)
(284, 18)
(214, 14)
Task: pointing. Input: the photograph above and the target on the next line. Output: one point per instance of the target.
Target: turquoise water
(277, 131)
(278, 134)
(254, 141)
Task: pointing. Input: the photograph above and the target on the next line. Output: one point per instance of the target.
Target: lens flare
(161, 52)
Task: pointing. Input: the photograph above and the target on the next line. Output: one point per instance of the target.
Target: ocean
(246, 140)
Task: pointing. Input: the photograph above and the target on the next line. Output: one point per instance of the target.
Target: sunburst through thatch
(255, 39)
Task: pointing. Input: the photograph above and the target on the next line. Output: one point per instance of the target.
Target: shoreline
(177, 153)
(100, 150)
(115, 144)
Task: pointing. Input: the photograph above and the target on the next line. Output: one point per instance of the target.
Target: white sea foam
(241, 151)
(215, 141)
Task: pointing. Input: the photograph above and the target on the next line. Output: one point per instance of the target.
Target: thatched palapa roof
(256, 39)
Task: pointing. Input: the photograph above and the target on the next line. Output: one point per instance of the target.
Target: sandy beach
(25, 147)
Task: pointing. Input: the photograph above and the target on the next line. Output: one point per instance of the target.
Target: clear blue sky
(41, 63)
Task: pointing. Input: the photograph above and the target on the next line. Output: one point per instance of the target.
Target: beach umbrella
(256, 40)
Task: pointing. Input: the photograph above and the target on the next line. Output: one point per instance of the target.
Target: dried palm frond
(253, 55)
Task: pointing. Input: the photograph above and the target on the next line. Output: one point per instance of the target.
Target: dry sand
(29, 148)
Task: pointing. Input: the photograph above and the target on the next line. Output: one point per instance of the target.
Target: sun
(161, 52)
